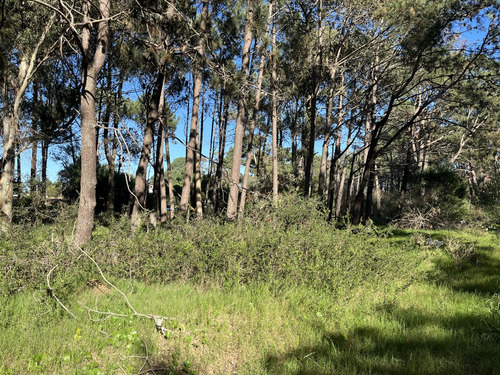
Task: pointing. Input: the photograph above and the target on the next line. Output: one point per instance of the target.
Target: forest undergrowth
(278, 292)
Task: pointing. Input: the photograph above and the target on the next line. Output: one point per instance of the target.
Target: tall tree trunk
(7, 164)
(333, 184)
(254, 120)
(159, 192)
(211, 153)
(34, 160)
(262, 151)
(140, 189)
(12, 114)
(369, 154)
(275, 114)
(313, 104)
(158, 159)
(234, 189)
(34, 144)
(350, 183)
(326, 146)
(218, 192)
(18, 180)
(45, 157)
(110, 142)
(404, 182)
(171, 191)
(365, 177)
(193, 133)
(90, 72)
(197, 178)
(378, 190)
(339, 202)
(369, 197)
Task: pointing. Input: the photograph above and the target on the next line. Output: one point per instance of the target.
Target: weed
(460, 252)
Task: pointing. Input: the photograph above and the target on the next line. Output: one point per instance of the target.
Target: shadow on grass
(415, 341)
(423, 345)
(479, 276)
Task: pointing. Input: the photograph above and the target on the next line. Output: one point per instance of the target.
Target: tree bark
(140, 189)
(218, 191)
(90, 71)
(254, 120)
(110, 142)
(45, 157)
(404, 182)
(159, 192)
(313, 104)
(171, 191)
(193, 133)
(275, 113)
(12, 114)
(326, 146)
(234, 189)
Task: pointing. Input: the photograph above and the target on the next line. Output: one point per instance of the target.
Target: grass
(396, 307)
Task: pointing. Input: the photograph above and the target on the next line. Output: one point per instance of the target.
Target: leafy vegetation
(281, 292)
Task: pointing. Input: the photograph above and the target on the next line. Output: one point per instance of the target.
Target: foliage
(69, 177)
(438, 197)
(489, 199)
(297, 296)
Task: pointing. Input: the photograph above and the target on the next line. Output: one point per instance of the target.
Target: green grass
(396, 306)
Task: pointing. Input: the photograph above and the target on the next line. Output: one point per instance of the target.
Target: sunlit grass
(442, 323)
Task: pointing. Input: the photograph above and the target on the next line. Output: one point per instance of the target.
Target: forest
(255, 187)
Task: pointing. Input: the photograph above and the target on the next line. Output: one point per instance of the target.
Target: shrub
(437, 197)
(290, 245)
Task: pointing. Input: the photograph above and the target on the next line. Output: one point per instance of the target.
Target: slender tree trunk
(333, 184)
(211, 154)
(18, 167)
(254, 121)
(370, 144)
(365, 177)
(90, 69)
(158, 165)
(369, 197)
(160, 192)
(45, 157)
(378, 190)
(350, 183)
(275, 114)
(34, 160)
(262, 151)
(7, 163)
(234, 189)
(193, 133)
(34, 144)
(218, 191)
(140, 189)
(197, 178)
(110, 142)
(340, 203)
(12, 114)
(171, 191)
(404, 182)
(313, 105)
(326, 145)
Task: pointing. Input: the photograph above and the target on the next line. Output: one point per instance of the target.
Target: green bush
(289, 245)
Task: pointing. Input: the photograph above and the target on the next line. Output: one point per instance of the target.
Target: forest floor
(413, 305)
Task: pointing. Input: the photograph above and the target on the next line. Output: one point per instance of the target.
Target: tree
(91, 66)
(193, 145)
(26, 52)
(234, 189)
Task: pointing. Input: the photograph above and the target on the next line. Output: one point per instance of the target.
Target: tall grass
(280, 292)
